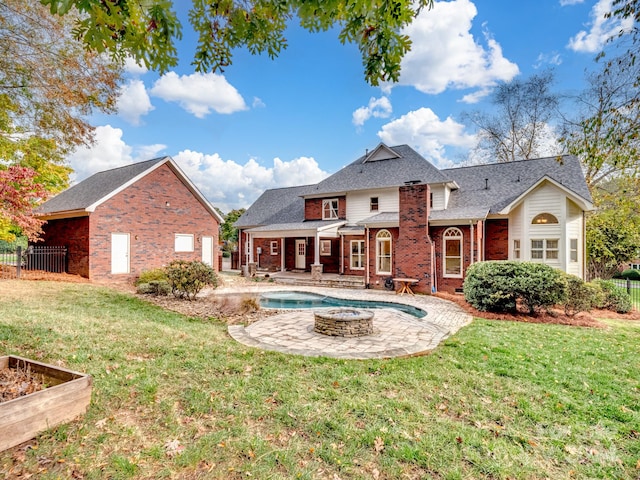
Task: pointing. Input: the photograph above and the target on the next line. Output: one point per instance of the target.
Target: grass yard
(176, 397)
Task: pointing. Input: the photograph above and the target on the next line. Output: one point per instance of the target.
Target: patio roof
(298, 229)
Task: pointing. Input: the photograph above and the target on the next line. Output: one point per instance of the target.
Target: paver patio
(397, 334)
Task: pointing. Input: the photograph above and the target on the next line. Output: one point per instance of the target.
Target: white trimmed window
(544, 249)
(373, 204)
(383, 253)
(516, 249)
(357, 255)
(573, 249)
(330, 209)
(325, 248)
(452, 253)
(184, 242)
(274, 247)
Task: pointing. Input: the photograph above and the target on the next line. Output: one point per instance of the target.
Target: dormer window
(330, 209)
(374, 204)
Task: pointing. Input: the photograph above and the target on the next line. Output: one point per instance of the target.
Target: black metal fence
(14, 260)
(632, 287)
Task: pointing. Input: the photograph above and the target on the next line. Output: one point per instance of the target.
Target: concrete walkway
(397, 334)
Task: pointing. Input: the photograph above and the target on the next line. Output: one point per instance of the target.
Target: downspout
(366, 230)
(341, 254)
(472, 242)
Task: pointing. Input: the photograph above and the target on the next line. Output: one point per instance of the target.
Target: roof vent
(486, 184)
(412, 182)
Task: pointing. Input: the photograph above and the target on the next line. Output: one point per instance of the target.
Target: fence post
(629, 286)
(18, 261)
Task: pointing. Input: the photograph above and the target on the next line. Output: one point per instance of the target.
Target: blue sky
(294, 120)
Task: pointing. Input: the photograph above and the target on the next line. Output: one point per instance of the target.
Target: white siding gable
(359, 203)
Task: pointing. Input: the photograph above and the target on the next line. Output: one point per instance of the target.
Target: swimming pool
(292, 299)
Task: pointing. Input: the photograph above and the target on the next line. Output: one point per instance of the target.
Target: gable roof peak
(381, 152)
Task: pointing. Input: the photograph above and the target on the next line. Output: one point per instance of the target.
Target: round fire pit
(344, 322)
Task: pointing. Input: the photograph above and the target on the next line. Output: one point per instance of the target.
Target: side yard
(175, 397)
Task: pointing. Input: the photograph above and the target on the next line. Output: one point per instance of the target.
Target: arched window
(383, 253)
(544, 219)
(452, 253)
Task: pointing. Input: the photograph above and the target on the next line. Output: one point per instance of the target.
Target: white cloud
(424, 131)
(199, 93)
(226, 183)
(133, 102)
(564, 3)
(258, 103)
(600, 29)
(377, 107)
(134, 68)
(444, 53)
(229, 185)
(108, 151)
(552, 58)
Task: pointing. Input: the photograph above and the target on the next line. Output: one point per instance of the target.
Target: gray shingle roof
(94, 188)
(278, 205)
(507, 181)
(394, 172)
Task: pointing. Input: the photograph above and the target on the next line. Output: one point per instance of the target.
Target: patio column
(316, 268)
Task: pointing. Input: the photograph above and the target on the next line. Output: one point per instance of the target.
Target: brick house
(120, 222)
(391, 214)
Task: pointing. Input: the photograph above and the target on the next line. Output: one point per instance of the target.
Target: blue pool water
(292, 299)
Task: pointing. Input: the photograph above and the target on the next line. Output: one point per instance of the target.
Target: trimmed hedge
(497, 286)
(153, 275)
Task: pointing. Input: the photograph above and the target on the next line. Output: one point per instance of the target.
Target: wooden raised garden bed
(67, 395)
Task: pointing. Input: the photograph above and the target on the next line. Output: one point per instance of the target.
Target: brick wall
(266, 261)
(72, 233)
(451, 284)
(413, 249)
(497, 240)
(375, 280)
(313, 208)
(151, 211)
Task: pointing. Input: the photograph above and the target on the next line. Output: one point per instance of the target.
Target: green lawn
(177, 398)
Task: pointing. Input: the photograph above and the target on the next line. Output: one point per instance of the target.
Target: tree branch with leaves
(147, 30)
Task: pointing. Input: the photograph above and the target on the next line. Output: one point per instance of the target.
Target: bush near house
(612, 297)
(187, 279)
(581, 296)
(498, 286)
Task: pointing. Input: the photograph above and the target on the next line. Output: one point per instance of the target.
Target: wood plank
(23, 418)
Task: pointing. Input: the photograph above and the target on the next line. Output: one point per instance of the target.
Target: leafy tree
(613, 230)
(48, 84)
(518, 129)
(606, 132)
(229, 233)
(148, 29)
(19, 194)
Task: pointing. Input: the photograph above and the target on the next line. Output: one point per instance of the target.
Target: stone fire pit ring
(344, 322)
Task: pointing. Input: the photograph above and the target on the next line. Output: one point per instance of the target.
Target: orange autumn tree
(49, 85)
(19, 194)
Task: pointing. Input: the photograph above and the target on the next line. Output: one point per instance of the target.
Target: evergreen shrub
(497, 286)
(187, 279)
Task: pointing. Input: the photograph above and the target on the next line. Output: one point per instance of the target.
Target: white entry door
(119, 253)
(301, 254)
(207, 250)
